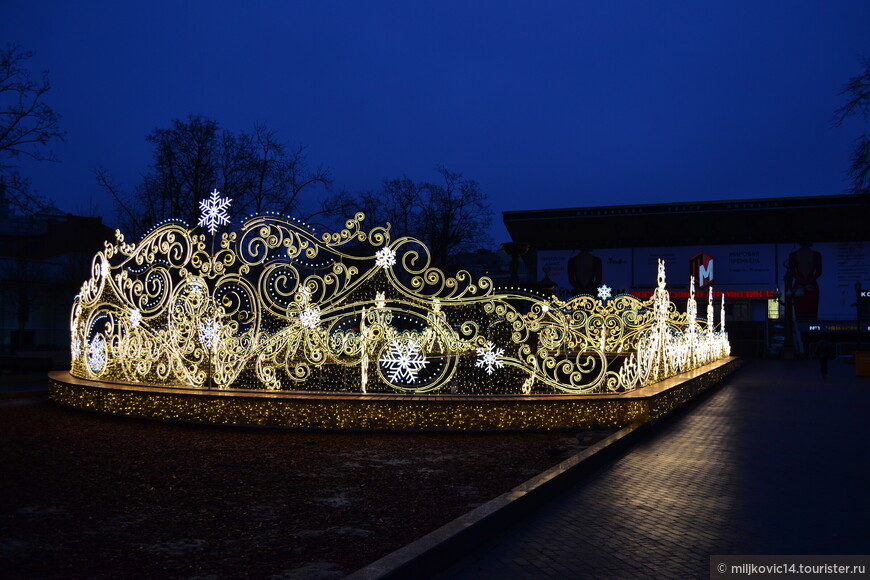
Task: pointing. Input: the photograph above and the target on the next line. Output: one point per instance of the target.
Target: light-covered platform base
(387, 411)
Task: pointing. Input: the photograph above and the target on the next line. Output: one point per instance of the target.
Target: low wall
(387, 411)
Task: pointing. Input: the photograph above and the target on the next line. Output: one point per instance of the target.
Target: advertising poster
(821, 276)
(746, 267)
(582, 272)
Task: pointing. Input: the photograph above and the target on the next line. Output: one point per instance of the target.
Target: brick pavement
(773, 462)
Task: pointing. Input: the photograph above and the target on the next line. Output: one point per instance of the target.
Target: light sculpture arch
(275, 306)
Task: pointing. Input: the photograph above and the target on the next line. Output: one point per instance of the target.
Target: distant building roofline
(686, 206)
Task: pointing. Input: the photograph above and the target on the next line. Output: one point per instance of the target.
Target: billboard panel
(821, 277)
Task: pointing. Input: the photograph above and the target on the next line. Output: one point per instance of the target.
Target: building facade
(792, 269)
(43, 260)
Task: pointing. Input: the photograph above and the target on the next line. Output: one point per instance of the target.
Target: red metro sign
(701, 267)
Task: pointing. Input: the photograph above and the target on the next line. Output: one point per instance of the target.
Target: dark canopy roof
(836, 218)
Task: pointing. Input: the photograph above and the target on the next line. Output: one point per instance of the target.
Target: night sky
(545, 104)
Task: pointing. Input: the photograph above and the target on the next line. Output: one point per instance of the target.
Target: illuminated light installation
(277, 307)
(214, 212)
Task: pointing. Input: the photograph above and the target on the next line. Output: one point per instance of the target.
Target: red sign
(703, 295)
(701, 267)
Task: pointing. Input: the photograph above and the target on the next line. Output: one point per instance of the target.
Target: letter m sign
(701, 267)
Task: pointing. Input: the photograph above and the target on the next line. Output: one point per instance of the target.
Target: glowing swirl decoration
(274, 305)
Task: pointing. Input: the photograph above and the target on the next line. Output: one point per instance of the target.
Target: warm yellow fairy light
(276, 307)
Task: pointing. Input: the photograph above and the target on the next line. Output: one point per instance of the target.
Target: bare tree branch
(27, 125)
(860, 167)
(449, 216)
(858, 92)
(858, 104)
(194, 156)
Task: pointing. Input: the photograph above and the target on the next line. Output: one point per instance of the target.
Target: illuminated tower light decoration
(488, 358)
(214, 212)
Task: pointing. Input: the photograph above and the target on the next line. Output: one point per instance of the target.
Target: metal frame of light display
(275, 306)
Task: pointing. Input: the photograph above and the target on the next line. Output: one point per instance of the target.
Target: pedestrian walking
(824, 352)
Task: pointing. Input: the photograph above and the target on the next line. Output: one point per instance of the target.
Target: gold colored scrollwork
(277, 306)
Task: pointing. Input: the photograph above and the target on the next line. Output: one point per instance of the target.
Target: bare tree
(194, 156)
(27, 126)
(456, 216)
(399, 202)
(278, 175)
(450, 216)
(857, 91)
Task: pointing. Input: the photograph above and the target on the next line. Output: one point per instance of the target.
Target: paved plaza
(776, 461)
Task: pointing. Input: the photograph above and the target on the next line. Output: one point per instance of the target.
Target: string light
(275, 306)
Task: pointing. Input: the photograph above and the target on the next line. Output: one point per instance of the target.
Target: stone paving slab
(773, 462)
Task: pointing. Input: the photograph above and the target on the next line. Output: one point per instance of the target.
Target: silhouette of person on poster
(804, 269)
(584, 272)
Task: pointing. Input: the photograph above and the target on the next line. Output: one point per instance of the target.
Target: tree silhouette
(857, 91)
(449, 215)
(28, 125)
(192, 157)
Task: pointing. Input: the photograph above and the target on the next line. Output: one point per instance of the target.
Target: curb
(440, 548)
(431, 552)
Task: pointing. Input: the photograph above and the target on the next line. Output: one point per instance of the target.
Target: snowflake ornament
(604, 292)
(385, 258)
(214, 212)
(196, 289)
(403, 361)
(104, 269)
(487, 358)
(310, 317)
(97, 354)
(135, 317)
(209, 331)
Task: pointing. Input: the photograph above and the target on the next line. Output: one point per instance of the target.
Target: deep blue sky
(545, 104)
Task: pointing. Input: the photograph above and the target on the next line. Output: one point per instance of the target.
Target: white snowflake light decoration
(97, 354)
(487, 358)
(104, 269)
(385, 258)
(135, 317)
(214, 212)
(604, 292)
(196, 289)
(310, 317)
(209, 331)
(403, 361)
